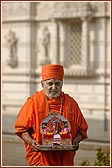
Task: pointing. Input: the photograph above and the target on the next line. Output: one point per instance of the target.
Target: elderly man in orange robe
(40, 105)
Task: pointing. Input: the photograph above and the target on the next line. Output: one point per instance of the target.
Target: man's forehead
(53, 80)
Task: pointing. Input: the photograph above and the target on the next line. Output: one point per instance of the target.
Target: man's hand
(76, 143)
(32, 142)
(35, 145)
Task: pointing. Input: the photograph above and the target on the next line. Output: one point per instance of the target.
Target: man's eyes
(51, 83)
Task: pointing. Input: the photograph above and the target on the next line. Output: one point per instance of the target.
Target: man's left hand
(76, 143)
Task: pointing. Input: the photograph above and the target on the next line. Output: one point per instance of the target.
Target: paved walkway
(13, 152)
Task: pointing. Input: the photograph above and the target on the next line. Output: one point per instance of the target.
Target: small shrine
(55, 130)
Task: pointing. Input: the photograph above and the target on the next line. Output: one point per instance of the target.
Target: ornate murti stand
(55, 130)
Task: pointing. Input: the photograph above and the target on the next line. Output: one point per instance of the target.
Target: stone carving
(45, 45)
(49, 10)
(12, 42)
(44, 9)
(45, 42)
(76, 9)
(60, 9)
(15, 9)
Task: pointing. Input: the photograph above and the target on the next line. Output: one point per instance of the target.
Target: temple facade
(74, 34)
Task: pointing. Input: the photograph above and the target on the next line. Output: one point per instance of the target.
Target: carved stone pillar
(85, 41)
(63, 44)
(55, 43)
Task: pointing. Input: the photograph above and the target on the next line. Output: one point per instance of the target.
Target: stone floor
(13, 151)
(13, 154)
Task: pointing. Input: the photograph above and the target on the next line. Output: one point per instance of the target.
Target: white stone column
(32, 48)
(64, 44)
(55, 43)
(85, 40)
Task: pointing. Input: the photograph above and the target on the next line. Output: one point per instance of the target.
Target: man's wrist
(77, 139)
(30, 142)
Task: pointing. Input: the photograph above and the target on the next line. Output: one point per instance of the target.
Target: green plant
(102, 157)
(85, 162)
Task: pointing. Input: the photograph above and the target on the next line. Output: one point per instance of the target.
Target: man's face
(52, 87)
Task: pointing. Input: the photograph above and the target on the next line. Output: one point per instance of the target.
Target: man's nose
(54, 86)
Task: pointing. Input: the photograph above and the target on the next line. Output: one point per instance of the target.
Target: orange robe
(31, 115)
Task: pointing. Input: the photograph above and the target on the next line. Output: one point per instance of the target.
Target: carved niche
(12, 42)
(45, 46)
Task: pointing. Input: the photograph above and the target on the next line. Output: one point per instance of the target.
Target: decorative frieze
(59, 10)
(44, 10)
(78, 72)
(76, 9)
(15, 10)
(48, 10)
(101, 8)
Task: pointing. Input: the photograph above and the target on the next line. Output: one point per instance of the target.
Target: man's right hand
(32, 142)
(35, 145)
